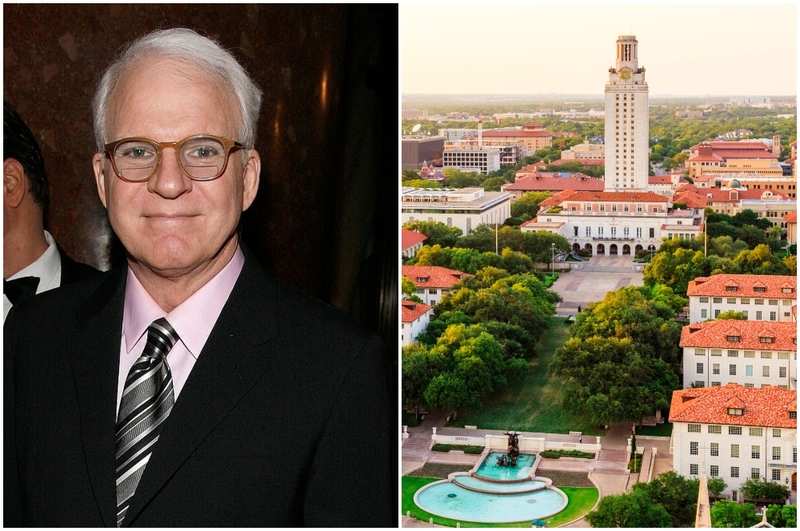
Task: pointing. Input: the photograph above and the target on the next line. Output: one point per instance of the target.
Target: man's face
(170, 225)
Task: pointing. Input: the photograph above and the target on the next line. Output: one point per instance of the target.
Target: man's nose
(169, 180)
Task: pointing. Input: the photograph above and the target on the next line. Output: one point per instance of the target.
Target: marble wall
(326, 214)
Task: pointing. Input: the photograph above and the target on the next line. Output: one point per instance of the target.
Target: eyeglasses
(201, 157)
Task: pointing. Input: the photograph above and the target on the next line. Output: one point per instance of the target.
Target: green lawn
(581, 501)
(534, 402)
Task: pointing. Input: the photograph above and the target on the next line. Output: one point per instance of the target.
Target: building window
(755, 473)
(714, 471)
(749, 353)
(776, 453)
(575, 231)
(766, 355)
(714, 449)
(693, 428)
(776, 474)
(755, 452)
(730, 300)
(773, 316)
(693, 469)
(714, 428)
(703, 300)
(732, 370)
(638, 230)
(699, 383)
(700, 351)
(693, 448)
(734, 353)
(765, 371)
(715, 368)
(776, 432)
(758, 302)
(756, 432)
(703, 313)
(781, 372)
(716, 352)
(734, 471)
(735, 451)
(735, 493)
(758, 315)
(652, 232)
(717, 300)
(773, 302)
(734, 430)
(699, 368)
(748, 370)
(745, 301)
(588, 232)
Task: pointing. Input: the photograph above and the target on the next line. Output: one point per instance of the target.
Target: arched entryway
(626, 249)
(576, 247)
(613, 249)
(601, 249)
(639, 249)
(588, 248)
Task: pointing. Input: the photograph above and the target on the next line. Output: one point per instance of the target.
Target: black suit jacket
(282, 422)
(72, 271)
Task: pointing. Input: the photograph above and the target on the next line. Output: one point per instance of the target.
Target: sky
(687, 49)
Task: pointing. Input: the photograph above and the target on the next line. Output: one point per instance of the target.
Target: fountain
(509, 459)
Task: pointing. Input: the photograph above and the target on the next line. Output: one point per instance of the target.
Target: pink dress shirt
(193, 320)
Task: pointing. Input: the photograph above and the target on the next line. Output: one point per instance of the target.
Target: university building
(758, 297)
(465, 208)
(748, 353)
(433, 282)
(627, 216)
(735, 433)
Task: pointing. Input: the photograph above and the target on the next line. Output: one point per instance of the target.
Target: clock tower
(627, 121)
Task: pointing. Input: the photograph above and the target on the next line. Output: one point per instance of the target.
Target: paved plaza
(594, 279)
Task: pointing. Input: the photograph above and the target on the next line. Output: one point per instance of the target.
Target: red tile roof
(716, 334)
(414, 310)
(659, 179)
(556, 199)
(766, 407)
(584, 162)
(716, 286)
(412, 238)
(791, 217)
(434, 276)
(552, 184)
(629, 197)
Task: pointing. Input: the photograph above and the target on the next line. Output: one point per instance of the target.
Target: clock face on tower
(625, 73)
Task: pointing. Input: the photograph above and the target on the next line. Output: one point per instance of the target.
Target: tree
(437, 232)
(732, 314)
(419, 367)
(716, 485)
(409, 290)
(677, 494)
(725, 513)
(607, 380)
(782, 515)
(755, 489)
(628, 510)
(527, 206)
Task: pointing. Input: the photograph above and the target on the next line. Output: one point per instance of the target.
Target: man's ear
(252, 176)
(15, 183)
(100, 177)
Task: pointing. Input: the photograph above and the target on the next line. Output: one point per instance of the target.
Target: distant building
(472, 158)
(748, 353)
(759, 297)
(585, 152)
(736, 433)
(412, 242)
(414, 114)
(418, 149)
(465, 208)
(433, 282)
(790, 224)
(532, 135)
(732, 157)
(415, 318)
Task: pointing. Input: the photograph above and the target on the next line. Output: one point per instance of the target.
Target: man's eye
(137, 152)
(203, 152)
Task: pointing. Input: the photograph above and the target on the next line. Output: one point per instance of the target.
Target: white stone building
(736, 433)
(465, 208)
(481, 159)
(759, 297)
(414, 321)
(748, 353)
(433, 282)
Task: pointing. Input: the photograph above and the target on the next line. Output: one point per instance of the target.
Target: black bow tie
(20, 288)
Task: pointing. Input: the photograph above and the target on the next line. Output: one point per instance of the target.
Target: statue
(510, 458)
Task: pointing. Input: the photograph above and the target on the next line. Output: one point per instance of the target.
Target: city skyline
(687, 49)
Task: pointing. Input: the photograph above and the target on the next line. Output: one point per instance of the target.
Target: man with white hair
(189, 388)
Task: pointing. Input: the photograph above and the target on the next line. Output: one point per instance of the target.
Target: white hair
(188, 46)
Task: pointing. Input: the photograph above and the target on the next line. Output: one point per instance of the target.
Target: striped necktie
(146, 402)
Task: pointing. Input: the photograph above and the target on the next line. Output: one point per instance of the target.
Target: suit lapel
(228, 366)
(95, 367)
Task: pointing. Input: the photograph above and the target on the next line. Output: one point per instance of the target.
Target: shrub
(473, 449)
(441, 448)
(555, 454)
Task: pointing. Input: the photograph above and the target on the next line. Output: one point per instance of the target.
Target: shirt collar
(47, 267)
(192, 320)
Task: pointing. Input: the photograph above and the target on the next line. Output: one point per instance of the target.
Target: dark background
(325, 216)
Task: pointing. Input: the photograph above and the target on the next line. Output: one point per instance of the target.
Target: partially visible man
(189, 388)
(32, 261)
